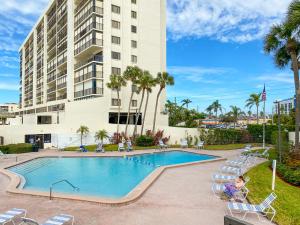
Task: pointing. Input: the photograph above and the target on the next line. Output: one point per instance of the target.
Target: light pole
(279, 130)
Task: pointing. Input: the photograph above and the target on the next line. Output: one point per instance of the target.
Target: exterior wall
(285, 105)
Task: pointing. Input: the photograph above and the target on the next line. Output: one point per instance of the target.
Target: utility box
(229, 220)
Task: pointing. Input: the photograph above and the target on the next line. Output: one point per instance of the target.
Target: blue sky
(214, 49)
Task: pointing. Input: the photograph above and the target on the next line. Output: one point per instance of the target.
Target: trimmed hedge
(289, 174)
(144, 141)
(16, 148)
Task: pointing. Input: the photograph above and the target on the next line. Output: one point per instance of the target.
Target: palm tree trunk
(81, 139)
(128, 113)
(139, 112)
(297, 91)
(155, 109)
(119, 112)
(257, 119)
(145, 111)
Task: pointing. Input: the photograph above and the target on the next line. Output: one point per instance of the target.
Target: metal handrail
(61, 181)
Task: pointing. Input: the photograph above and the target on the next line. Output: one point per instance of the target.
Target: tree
(283, 43)
(236, 113)
(209, 109)
(150, 84)
(249, 113)
(132, 74)
(163, 80)
(83, 130)
(254, 100)
(186, 102)
(143, 84)
(216, 107)
(100, 135)
(116, 83)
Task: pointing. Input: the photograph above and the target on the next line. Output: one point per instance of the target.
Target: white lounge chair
(220, 188)
(264, 208)
(121, 147)
(264, 154)
(200, 145)
(162, 145)
(100, 148)
(184, 143)
(129, 146)
(11, 215)
(232, 170)
(2, 155)
(56, 220)
(240, 162)
(223, 178)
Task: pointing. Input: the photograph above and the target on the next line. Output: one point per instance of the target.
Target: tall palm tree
(83, 130)
(209, 109)
(163, 80)
(116, 83)
(143, 84)
(186, 102)
(151, 83)
(216, 107)
(249, 115)
(100, 135)
(283, 43)
(254, 100)
(131, 74)
(236, 112)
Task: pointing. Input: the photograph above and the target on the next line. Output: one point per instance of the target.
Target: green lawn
(109, 148)
(224, 147)
(287, 203)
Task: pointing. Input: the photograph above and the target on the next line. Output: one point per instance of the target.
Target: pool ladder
(62, 181)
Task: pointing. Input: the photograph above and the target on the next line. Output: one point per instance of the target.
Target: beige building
(68, 57)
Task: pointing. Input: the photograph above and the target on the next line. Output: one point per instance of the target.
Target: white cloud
(224, 20)
(8, 61)
(9, 86)
(199, 74)
(25, 7)
(281, 78)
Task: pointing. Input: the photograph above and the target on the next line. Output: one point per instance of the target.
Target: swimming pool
(109, 177)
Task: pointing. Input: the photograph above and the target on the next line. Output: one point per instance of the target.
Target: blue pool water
(111, 177)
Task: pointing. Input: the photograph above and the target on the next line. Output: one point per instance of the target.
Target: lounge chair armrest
(29, 221)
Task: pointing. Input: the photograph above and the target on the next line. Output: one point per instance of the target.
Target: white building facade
(286, 106)
(68, 57)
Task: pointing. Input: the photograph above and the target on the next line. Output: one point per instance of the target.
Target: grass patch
(108, 148)
(287, 203)
(224, 147)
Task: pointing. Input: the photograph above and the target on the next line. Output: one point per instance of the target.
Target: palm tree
(216, 107)
(83, 130)
(143, 84)
(131, 74)
(236, 112)
(186, 102)
(209, 109)
(283, 43)
(151, 83)
(116, 83)
(163, 80)
(249, 115)
(100, 135)
(254, 100)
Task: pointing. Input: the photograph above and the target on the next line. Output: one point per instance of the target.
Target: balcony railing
(98, 74)
(87, 14)
(94, 25)
(87, 92)
(96, 58)
(50, 90)
(64, 96)
(50, 79)
(88, 44)
(61, 86)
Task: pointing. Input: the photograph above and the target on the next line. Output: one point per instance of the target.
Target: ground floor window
(113, 118)
(44, 120)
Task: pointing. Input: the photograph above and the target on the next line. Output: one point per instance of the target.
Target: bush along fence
(16, 148)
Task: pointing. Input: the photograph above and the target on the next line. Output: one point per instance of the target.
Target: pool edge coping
(131, 197)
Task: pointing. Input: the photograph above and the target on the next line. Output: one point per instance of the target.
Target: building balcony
(90, 47)
(88, 92)
(87, 14)
(62, 86)
(63, 96)
(94, 25)
(95, 58)
(87, 76)
(50, 90)
(50, 79)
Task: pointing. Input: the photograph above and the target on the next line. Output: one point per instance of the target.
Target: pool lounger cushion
(59, 220)
(11, 214)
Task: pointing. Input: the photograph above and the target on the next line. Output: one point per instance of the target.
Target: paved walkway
(181, 196)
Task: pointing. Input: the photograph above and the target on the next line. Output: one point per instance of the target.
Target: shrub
(289, 174)
(159, 135)
(16, 148)
(144, 141)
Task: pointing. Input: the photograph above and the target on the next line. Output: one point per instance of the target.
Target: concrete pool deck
(179, 196)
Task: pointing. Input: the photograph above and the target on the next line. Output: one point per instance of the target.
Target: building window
(115, 40)
(116, 55)
(133, 1)
(134, 59)
(133, 29)
(44, 120)
(133, 14)
(115, 101)
(115, 9)
(113, 118)
(115, 24)
(134, 44)
(134, 103)
(116, 70)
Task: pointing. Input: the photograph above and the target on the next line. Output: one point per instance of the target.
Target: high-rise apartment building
(68, 57)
